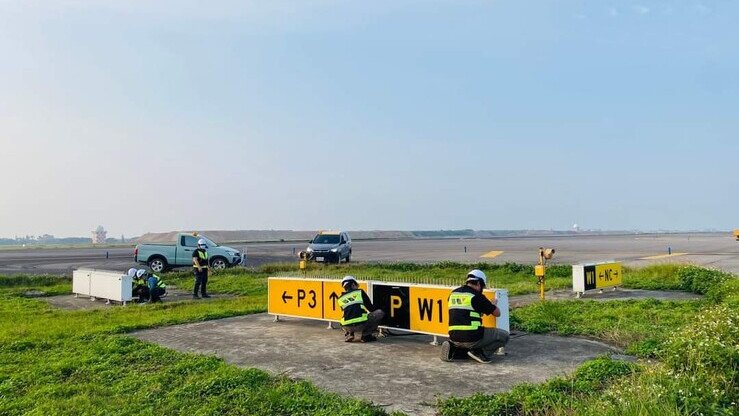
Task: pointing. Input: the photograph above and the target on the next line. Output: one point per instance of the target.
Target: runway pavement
(718, 250)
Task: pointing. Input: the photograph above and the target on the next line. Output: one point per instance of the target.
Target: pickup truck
(161, 257)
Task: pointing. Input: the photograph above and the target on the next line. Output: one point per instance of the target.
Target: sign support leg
(330, 325)
(435, 342)
(277, 318)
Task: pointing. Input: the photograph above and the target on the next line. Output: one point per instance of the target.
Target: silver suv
(330, 247)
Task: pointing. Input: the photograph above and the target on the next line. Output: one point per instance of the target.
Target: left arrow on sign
(284, 296)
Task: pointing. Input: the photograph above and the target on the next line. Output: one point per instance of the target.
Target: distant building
(99, 235)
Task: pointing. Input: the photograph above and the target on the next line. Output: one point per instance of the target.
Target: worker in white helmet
(200, 267)
(360, 318)
(139, 288)
(467, 305)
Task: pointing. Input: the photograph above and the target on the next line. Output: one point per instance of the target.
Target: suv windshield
(326, 239)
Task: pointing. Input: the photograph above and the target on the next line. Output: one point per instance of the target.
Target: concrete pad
(608, 294)
(397, 372)
(70, 302)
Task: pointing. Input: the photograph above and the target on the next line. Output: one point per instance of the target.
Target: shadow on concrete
(398, 372)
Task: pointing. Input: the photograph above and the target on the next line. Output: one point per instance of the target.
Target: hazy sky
(160, 115)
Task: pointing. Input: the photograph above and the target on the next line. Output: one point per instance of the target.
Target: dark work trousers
(358, 331)
(492, 339)
(142, 292)
(156, 294)
(201, 280)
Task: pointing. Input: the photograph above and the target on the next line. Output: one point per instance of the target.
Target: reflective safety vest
(352, 305)
(159, 283)
(202, 259)
(462, 316)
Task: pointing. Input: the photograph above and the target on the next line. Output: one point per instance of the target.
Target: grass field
(81, 362)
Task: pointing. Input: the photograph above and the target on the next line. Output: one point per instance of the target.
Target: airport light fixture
(540, 269)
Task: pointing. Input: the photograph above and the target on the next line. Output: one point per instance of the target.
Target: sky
(413, 115)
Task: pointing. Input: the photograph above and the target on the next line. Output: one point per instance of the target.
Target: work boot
(368, 338)
(447, 352)
(204, 296)
(479, 356)
(348, 336)
(195, 296)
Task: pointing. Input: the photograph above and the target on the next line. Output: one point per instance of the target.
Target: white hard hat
(348, 279)
(131, 272)
(202, 242)
(477, 275)
(140, 272)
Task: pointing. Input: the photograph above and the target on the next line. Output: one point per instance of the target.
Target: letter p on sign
(395, 303)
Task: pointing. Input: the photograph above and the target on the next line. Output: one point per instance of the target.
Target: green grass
(516, 278)
(694, 341)
(653, 277)
(560, 393)
(79, 362)
(640, 326)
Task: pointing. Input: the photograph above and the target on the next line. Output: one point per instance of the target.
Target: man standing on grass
(467, 304)
(360, 318)
(200, 266)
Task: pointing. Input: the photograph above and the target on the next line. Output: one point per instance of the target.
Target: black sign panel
(393, 300)
(589, 277)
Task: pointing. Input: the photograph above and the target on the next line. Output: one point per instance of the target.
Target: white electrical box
(81, 282)
(103, 284)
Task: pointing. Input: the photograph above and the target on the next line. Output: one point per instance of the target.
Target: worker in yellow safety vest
(467, 305)
(360, 318)
(140, 287)
(157, 288)
(200, 267)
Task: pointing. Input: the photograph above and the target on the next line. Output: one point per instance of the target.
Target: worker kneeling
(467, 304)
(140, 287)
(360, 318)
(156, 286)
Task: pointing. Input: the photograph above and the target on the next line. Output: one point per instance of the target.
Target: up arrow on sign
(334, 297)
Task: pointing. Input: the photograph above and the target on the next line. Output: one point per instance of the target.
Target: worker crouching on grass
(156, 286)
(140, 286)
(360, 318)
(467, 304)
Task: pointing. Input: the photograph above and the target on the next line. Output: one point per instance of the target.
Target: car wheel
(157, 264)
(349, 257)
(219, 263)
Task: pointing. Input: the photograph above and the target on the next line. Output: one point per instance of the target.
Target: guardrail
(410, 307)
(102, 284)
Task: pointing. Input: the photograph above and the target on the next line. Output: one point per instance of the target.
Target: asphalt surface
(718, 250)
